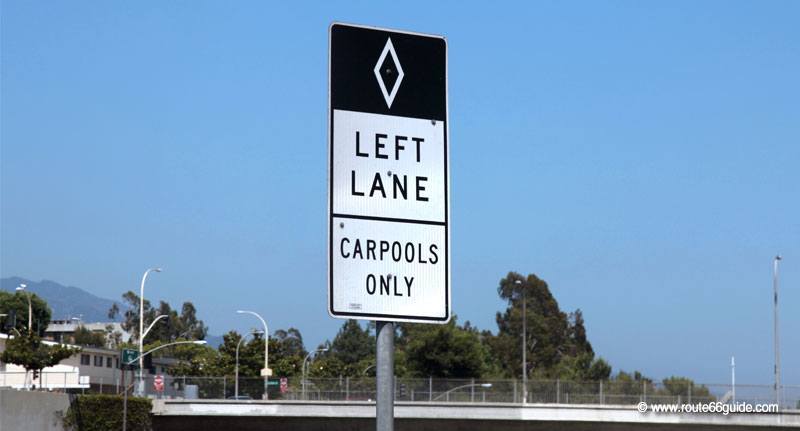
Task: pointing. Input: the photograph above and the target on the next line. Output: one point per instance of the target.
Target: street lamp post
(305, 368)
(266, 372)
(140, 389)
(367, 369)
(21, 288)
(777, 338)
(125, 388)
(524, 343)
(238, 345)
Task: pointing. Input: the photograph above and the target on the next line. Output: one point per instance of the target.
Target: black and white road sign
(388, 232)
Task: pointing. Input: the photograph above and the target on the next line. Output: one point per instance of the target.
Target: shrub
(104, 412)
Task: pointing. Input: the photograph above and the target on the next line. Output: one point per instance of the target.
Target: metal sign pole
(385, 376)
(125, 403)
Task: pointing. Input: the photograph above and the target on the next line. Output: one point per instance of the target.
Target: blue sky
(643, 158)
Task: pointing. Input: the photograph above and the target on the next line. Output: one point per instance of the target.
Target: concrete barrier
(201, 415)
(32, 410)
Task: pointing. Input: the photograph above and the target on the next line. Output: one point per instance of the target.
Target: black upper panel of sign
(355, 52)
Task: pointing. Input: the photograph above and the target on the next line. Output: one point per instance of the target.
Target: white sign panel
(389, 252)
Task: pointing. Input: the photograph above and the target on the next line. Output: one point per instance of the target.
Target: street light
(238, 345)
(367, 369)
(483, 385)
(21, 288)
(159, 317)
(524, 344)
(266, 372)
(305, 368)
(777, 338)
(125, 389)
(141, 327)
(163, 346)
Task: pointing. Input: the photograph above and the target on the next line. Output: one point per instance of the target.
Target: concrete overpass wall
(331, 416)
(32, 410)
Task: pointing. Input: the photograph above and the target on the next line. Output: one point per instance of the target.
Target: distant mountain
(65, 301)
(70, 301)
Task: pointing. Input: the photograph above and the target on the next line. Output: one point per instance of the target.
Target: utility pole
(385, 376)
(733, 379)
(524, 343)
(777, 335)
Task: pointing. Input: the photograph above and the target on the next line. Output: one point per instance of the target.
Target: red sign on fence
(158, 383)
(284, 385)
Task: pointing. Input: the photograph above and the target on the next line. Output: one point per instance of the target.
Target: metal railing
(471, 390)
(51, 380)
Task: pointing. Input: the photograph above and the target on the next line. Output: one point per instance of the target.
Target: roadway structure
(200, 415)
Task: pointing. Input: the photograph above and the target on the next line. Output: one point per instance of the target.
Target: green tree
(85, 337)
(286, 352)
(448, 350)
(28, 351)
(633, 384)
(556, 341)
(679, 386)
(183, 325)
(113, 337)
(15, 305)
(251, 354)
(350, 352)
(196, 360)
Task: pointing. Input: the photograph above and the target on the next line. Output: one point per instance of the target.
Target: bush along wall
(104, 412)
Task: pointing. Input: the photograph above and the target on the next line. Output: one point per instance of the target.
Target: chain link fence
(467, 391)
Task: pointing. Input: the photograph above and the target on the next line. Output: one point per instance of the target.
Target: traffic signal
(35, 374)
(402, 390)
(11, 321)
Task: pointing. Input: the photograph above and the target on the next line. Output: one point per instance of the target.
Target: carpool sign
(388, 231)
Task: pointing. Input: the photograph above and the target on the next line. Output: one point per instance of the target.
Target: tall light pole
(777, 337)
(305, 368)
(733, 379)
(125, 388)
(266, 372)
(238, 345)
(21, 288)
(141, 328)
(524, 343)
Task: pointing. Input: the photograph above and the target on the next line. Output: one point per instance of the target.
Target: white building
(92, 368)
(63, 330)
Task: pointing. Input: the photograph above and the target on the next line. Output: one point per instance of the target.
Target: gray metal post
(385, 377)
(524, 348)
(125, 404)
(472, 391)
(602, 401)
(430, 388)
(644, 391)
(515, 390)
(558, 391)
(777, 337)
(347, 388)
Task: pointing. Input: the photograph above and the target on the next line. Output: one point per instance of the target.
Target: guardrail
(470, 390)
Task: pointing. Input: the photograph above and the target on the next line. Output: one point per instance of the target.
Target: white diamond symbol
(389, 95)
